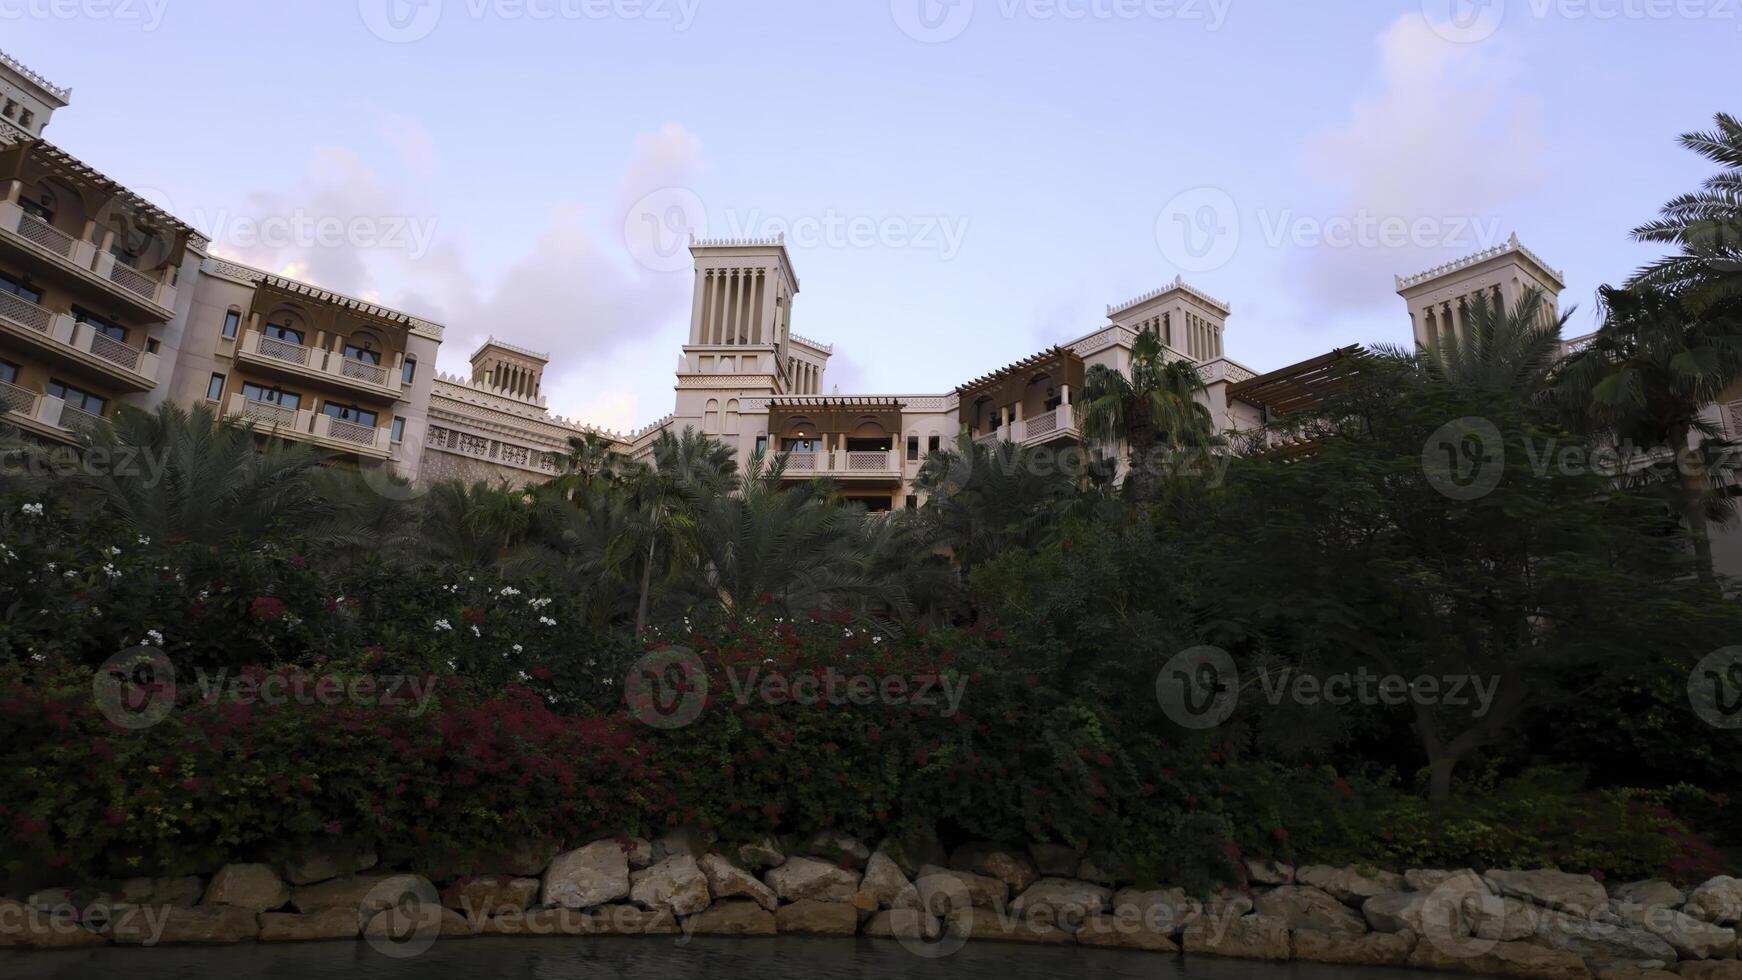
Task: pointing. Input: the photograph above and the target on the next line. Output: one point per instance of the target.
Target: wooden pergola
(1009, 384)
(1300, 385)
(832, 415)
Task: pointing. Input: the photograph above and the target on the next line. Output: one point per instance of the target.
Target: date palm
(1503, 350)
(1706, 226)
(1156, 409)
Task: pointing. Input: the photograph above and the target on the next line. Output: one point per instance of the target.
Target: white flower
(37, 658)
(112, 551)
(509, 590)
(144, 540)
(442, 624)
(519, 649)
(69, 574)
(546, 620)
(475, 631)
(153, 638)
(7, 552)
(33, 510)
(538, 603)
(111, 570)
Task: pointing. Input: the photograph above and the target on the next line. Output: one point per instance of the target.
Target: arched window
(732, 416)
(711, 417)
(409, 371)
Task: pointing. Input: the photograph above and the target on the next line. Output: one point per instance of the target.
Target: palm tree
(1155, 408)
(179, 474)
(1706, 225)
(1651, 370)
(982, 500)
(1502, 351)
(591, 459)
(688, 472)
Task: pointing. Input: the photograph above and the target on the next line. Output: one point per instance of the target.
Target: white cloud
(1447, 139)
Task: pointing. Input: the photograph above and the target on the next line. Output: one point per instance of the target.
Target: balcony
(1058, 425)
(852, 466)
(303, 425)
(42, 414)
(314, 364)
(65, 339)
(148, 294)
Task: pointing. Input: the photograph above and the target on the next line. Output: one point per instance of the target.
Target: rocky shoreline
(1540, 924)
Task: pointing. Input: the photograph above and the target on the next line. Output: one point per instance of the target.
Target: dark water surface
(650, 958)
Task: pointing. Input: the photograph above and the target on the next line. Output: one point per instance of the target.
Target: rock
(1692, 939)
(491, 896)
(1718, 900)
(55, 899)
(26, 926)
(1007, 864)
(733, 917)
(1065, 902)
(903, 924)
(1300, 907)
(185, 891)
(981, 923)
(910, 856)
(675, 883)
(321, 863)
(762, 854)
(883, 880)
(1499, 919)
(630, 920)
(1599, 943)
(1164, 910)
(807, 915)
(289, 927)
(361, 893)
(639, 852)
(1427, 881)
(942, 891)
(1251, 937)
(542, 922)
(1580, 894)
(1649, 893)
(727, 880)
(417, 921)
(848, 852)
(1430, 915)
(204, 924)
(1124, 928)
(686, 841)
(1262, 871)
(1373, 949)
(254, 887)
(1054, 860)
(1711, 970)
(801, 877)
(521, 859)
(1351, 886)
(1104, 870)
(1635, 973)
(1502, 959)
(592, 875)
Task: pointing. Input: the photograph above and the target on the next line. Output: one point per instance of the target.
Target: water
(650, 958)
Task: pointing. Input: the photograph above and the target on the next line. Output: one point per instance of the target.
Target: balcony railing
(25, 313)
(83, 256)
(115, 352)
(132, 365)
(324, 364)
(347, 431)
(303, 425)
(267, 413)
(845, 464)
(16, 399)
(76, 419)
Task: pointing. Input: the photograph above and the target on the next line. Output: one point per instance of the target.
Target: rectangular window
(912, 448)
(356, 353)
(349, 413)
(932, 444)
(19, 289)
(762, 445)
(215, 388)
(409, 371)
(8, 372)
(912, 502)
(107, 328)
(280, 332)
(152, 346)
(398, 429)
(232, 323)
(36, 210)
(275, 396)
(77, 397)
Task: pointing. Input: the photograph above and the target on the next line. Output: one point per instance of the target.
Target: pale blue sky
(1018, 160)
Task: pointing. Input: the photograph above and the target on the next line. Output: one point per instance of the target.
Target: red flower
(472, 614)
(299, 561)
(1280, 833)
(268, 609)
(116, 817)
